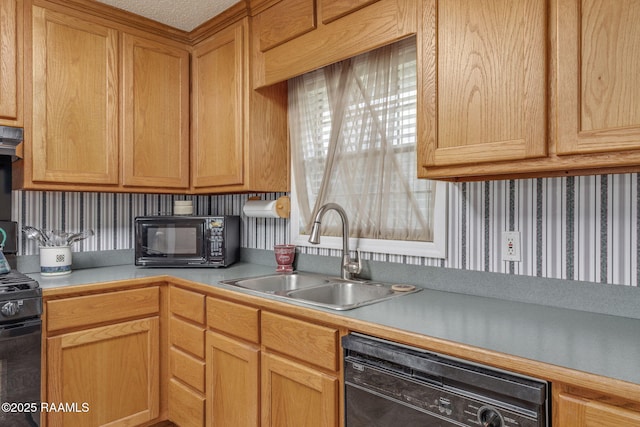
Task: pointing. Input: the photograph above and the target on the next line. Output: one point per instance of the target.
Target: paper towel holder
(282, 205)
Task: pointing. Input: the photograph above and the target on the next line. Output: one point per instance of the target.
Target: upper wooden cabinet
(110, 109)
(75, 100)
(11, 62)
(239, 135)
(220, 77)
(288, 19)
(598, 72)
(592, 111)
(482, 81)
(292, 37)
(155, 115)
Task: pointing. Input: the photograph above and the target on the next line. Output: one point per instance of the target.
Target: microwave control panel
(216, 238)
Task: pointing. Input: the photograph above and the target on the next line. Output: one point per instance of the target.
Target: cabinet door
(11, 62)
(113, 370)
(75, 100)
(284, 21)
(482, 87)
(155, 114)
(295, 395)
(232, 382)
(574, 411)
(218, 107)
(598, 68)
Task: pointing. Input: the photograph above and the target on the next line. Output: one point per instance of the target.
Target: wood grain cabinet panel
(234, 319)
(598, 69)
(297, 395)
(187, 336)
(219, 78)
(284, 21)
(187, 368)
(330, 10)
(187, 304)
(11, 62)
(576, 411)
(186, 407)
(482, 82)
(155, 99)
(314, 344)
(90, 310)
(239, 138)
(232, 382)
(75, 100)
(114, 369)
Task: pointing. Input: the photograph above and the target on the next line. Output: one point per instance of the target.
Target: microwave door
(177, 243)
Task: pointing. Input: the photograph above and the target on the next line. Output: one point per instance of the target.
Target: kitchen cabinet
(598, 68)
(300, 372)
(574, 409)
(75, 100)
(11, 62)
(100, 100)
(288, 19)
(155, 86)
(102, 354)
(233, 364)
(482, 85)
(239, 136)
(592, 118)
(257, 359)
(292, 37)
(186, 357)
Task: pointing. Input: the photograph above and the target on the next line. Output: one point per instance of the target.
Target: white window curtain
(353, 137)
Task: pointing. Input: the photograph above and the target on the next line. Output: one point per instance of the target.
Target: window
(353, 137)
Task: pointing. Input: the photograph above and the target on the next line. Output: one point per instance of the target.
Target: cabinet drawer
(311, 343)
(187, 304)
(94, 309)
(186, 407)
(234, 319)
(187, 368)
(187, 336)
(284, 21)
(334, 9)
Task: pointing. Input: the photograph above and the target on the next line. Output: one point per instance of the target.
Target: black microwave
(187, 241)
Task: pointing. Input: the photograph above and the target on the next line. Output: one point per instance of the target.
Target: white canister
(55, 260)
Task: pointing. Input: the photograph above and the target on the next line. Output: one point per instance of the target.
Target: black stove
(20, 297)
(20, 346)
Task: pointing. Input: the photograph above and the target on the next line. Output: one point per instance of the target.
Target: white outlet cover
(511, 246)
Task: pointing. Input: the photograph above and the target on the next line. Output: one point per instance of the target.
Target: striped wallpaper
(578, 228)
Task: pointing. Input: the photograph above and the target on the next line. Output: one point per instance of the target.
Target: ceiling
(181, 14)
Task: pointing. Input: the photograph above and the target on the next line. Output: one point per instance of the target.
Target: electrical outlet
(511, 246)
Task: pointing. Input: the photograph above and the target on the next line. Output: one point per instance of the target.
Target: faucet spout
(348, 267)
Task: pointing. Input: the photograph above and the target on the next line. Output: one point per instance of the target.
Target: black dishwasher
(389, 384)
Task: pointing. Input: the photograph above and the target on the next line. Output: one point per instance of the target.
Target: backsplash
(578, 228)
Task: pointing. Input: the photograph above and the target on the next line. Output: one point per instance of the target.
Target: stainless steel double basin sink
(323, 291)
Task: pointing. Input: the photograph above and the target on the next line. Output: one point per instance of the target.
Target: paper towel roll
(267, 208)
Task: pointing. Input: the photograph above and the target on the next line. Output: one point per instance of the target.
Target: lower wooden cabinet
(124, 357)
(187, 381)
(295, 395)
(111, 374)
(577, 411)
(233, 390)
(103, 358)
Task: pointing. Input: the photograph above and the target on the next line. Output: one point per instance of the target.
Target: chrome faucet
(348, 267)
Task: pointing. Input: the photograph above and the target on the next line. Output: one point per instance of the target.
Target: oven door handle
(20, 329)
